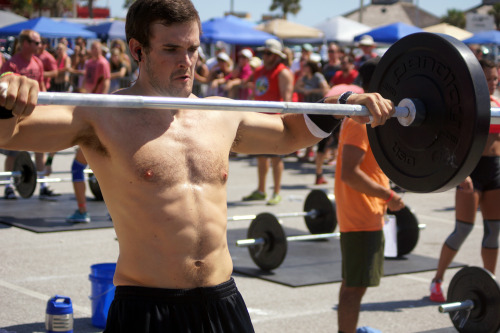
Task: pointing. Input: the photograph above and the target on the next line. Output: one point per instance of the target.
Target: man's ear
(135, 49)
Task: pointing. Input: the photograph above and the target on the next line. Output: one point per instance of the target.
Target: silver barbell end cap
(416, 112)
(408, 120)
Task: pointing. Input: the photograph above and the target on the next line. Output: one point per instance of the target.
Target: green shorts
(362, 258)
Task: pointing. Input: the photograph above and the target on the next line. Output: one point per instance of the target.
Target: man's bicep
(258, 133)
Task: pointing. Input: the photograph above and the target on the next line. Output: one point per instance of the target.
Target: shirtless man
(163, 174)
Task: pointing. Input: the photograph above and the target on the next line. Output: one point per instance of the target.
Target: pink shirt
(49, 64)
(32, 69)
(96, 71)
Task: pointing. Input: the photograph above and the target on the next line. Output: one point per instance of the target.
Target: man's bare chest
(172, 152)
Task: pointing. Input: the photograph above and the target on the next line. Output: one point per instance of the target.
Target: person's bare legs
(466, 204)
(278, 167)
(262, 169)
(349, 307)
(491, 211)
(79, 187)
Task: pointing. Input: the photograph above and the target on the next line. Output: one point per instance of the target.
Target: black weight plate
(25, 183)
(324, 203)
(445, 75)
(94, 187)
(271, 254)
(407, 230)
(480, 286)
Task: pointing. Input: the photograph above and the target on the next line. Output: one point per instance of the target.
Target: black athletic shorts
(486, 175)
(199, 310)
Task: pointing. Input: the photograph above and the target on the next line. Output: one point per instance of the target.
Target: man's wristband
(321, 125)
(390, 197)
(49, 161)
(343, 98)
(7, 74)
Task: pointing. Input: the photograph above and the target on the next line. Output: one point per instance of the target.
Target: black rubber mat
(316, 262)
(50, 216)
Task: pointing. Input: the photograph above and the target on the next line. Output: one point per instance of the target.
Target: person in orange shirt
(362, 195)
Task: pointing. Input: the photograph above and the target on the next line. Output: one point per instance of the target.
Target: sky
(312, 13)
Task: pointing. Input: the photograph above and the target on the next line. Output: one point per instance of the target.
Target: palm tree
(287, 6)
(495, 12)
(454, 17)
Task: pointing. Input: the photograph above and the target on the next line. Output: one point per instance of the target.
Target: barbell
(442, 97)
(25, 177)
(319, 213)
(268, 245)
(474, 301)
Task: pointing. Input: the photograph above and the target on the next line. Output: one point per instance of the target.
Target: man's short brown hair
(143, 13)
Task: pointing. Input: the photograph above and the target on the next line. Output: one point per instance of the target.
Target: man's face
(34, 43)
(171, 58)
(492, 79)
(269, 58)
(95, 50)
(333, 53)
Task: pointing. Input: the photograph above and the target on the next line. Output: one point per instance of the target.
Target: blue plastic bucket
(103, 292)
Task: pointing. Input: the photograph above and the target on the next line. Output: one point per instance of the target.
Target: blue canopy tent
(484, 37)
(109, 30)
(391, 33)
(233, 30)
(48, 28)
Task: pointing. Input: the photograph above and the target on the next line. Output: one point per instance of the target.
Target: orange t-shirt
(357, 211)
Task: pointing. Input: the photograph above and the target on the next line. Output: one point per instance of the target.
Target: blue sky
(313, 11)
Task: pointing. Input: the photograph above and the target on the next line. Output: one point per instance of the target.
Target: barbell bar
(474, 301)
(319, 213)
(433, 78)
(39, 173)
(268, 245)
(404, 110)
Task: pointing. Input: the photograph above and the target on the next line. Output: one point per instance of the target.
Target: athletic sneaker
(255, 195)
(276, 199)
(47, 194)
(78, 217)
(367, 329)
(436, 292)
(9, 194)
(320, 180)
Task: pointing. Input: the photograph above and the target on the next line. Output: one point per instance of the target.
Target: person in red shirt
(347, 73)
(25, 63)
(96, 80)
(48, 61)
(273, 81)
(480, 189)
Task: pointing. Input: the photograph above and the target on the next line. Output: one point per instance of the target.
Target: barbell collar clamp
(300, 238)
(456, 306)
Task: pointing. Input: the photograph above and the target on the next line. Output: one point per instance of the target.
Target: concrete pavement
(34, 267)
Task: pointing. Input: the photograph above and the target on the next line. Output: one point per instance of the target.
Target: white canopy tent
(8, 18)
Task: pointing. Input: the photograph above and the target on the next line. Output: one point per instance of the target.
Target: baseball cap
(274, 46)
(307, 47)
(246, 53)
(366, 40)
(223, 56)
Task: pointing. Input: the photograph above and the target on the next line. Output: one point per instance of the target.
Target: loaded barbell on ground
(474, 301)
(319, 213)
(443, 102)
(267, 243)
(25, 177)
